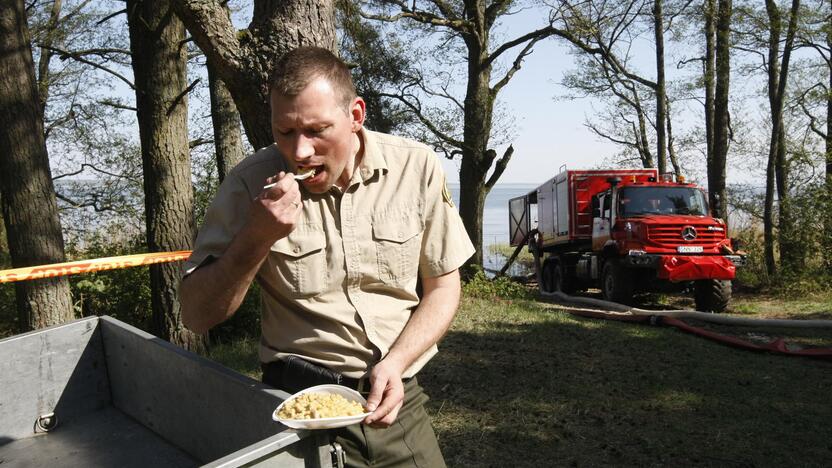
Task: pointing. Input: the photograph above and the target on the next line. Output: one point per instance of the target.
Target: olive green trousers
(409, 441)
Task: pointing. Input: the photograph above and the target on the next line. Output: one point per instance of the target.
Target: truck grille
(671, 235)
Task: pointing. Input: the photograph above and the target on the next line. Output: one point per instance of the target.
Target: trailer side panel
(57, 370)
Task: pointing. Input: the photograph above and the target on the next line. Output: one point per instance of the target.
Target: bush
(123, 294)
(480, 286)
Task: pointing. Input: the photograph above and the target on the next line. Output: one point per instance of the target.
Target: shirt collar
(372, 161)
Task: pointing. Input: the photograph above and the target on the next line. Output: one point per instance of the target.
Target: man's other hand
(386, 395)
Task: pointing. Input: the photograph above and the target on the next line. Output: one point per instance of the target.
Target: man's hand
(213, 292)
(386, 394)
(275, 211)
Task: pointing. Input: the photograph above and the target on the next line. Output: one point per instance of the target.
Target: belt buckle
(361, 383)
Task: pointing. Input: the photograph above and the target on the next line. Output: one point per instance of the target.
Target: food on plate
(317, 405)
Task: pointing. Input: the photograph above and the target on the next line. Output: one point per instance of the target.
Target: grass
(524, 383)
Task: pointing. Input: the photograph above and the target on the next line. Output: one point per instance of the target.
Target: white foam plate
(324, 423)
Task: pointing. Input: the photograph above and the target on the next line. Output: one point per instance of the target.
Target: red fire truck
(626, 231)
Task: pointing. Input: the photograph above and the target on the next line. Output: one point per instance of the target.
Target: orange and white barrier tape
(91, 266)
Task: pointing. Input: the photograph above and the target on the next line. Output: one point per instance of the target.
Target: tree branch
(182, 95)
(515, 67)
(116, 104)
(200, 142)
(500, 167)
(111, 16)
(423, 17)
(91, 166)
(812, 120)
(417, 110)
(65, 54)
(534, 35)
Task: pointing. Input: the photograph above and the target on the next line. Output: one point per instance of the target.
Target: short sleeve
(225, 217)
(445, 242)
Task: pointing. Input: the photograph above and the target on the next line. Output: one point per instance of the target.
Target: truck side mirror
(596, 208)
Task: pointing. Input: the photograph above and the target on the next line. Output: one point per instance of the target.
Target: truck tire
(563, 282)
(548, 275)
(616, 284)
(712, 295)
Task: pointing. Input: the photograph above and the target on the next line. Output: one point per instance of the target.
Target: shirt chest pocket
(398, 245)
(299, 262)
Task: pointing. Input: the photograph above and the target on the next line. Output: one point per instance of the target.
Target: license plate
(689, 249)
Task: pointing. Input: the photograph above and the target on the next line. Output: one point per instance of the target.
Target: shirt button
(365, 173)
(297, 249)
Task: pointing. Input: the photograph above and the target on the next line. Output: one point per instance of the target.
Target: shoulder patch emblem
(446, 194)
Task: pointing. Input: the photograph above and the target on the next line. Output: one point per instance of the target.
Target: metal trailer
(98, 392)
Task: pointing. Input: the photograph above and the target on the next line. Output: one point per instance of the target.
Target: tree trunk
(644, 143)
(244, 61)
(228, 142)
(791, 255)
(777, 170)
(476, 158)
(709, 72)
(661, 91)
(671, 150)
(716, 170)
(775, 107)
(30, 209)
(159, 61)
(828, 138)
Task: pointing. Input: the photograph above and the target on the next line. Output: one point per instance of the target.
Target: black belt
(293, 374)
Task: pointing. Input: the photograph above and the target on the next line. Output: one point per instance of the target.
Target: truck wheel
(563, 282)
(548, 276)
(616, 284)
(712, 295)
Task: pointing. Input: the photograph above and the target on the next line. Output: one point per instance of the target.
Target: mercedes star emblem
(688, 233)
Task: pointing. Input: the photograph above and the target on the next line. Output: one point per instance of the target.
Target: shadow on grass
(515, 388)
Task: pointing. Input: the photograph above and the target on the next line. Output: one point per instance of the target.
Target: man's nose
(303, 148)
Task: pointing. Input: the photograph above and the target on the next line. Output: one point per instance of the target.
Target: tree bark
(30, 209)
(774, 28)
(159, 62)
(716, 170)
(228, 144)
(476, 159)
(671, 150)
(709, 81)
(791, 255)
(244, 60)
(661, 91)
(828, 137)
(777, 171)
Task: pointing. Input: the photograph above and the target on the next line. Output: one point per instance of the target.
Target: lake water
(495, 216)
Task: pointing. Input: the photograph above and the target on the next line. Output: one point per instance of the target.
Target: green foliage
(805, 269)
(378, 63)
(481, 286)
(123, 293)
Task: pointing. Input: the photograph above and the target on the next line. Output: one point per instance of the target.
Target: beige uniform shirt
(340, 288)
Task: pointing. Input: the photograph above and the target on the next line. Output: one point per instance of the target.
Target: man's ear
(358, 112)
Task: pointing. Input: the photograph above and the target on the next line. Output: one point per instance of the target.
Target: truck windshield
(633, 201)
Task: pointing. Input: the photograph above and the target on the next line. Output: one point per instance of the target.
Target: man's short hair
(297, 68)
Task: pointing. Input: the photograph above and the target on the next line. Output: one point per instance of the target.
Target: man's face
(314, 130)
